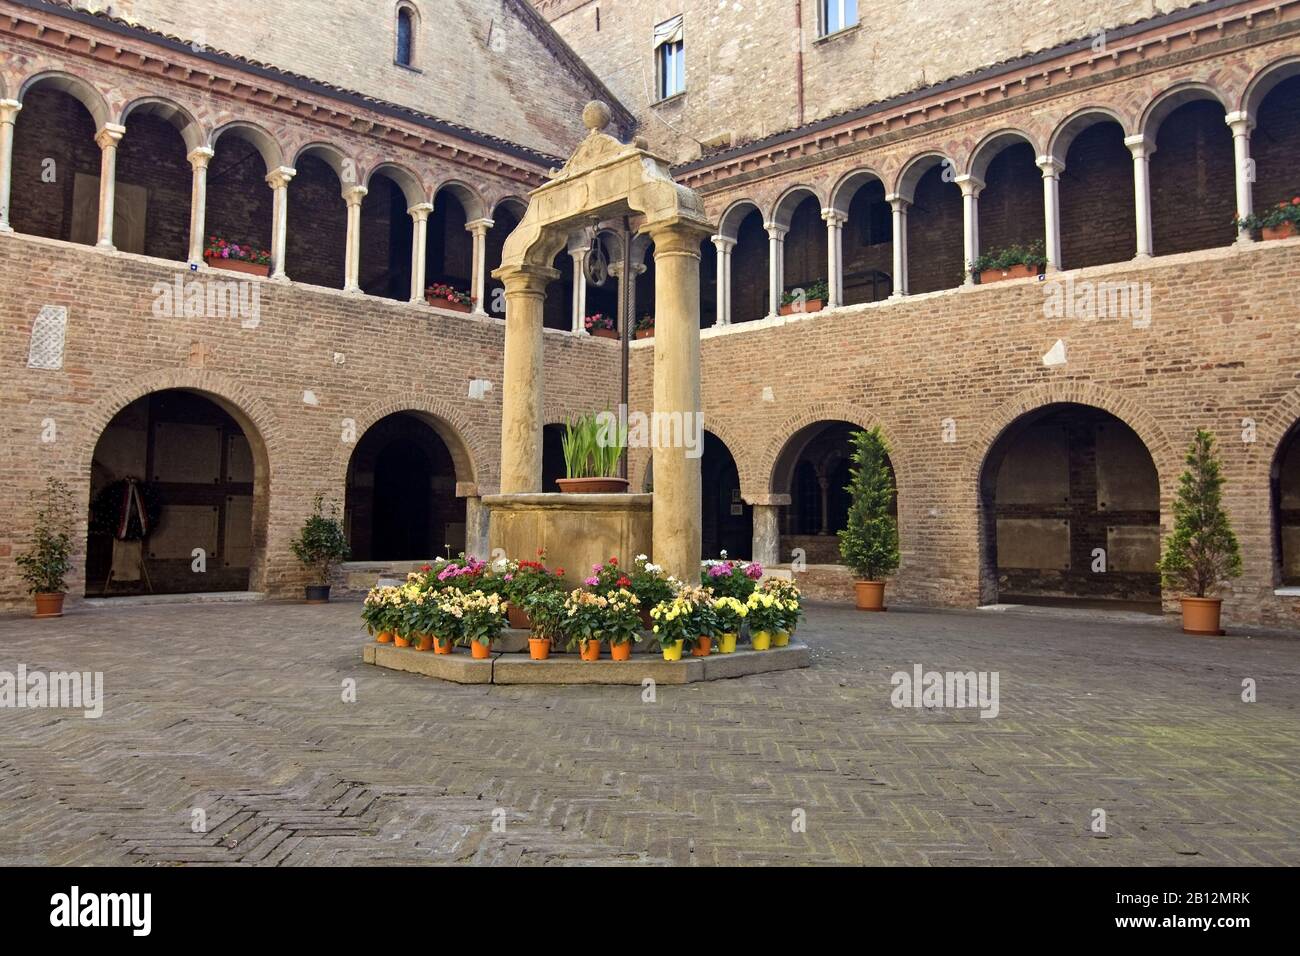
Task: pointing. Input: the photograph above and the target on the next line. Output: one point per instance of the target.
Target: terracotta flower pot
(422, 642)
(673, 651)
(480, 651)
(592, 486)
(449, 306)
(1021, 271)
(238, 265)
(442, 645)
(760, 640)
(539, 648)
(517, 617)
(383, 637)
(589, 650)
(702, 647)
(49, 604)
(605, 333)
(1284, 231)
(726, 643)
(1201, 616)
(809, 305)
(621, 651)
(645, 333)
(399, 641)
(870, 595)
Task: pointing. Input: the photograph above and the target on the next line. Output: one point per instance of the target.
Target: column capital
(834, 217)
(110, 134)
(677, 236)
(638, 268)
(723, 243)
(200, 156)
(9, 110)
(352, 195)
(420, 211)
(279, 177)
(1240, 122)
(479, 227)
(1140, 145)
(898, 202)
(526, 279)
(969, 185)
(768, 500)
(1050, 165)
(775, 230)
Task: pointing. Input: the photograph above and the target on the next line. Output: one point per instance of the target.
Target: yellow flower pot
(780, 638)
(760, 640)
(726, 643)
(673, 651)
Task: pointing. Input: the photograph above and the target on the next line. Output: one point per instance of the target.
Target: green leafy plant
(1032, 254)
(812, 292)
(645, 324)
(593, 445)
(547, 613)
(730, 613)
(734, 578)
(787, 592)
(1202, 551)
(45, 564)
(321, 544)
(767, 611)
(869, 542)
(481, 616)
(686, 617)
(592, 616)
(1288, 210)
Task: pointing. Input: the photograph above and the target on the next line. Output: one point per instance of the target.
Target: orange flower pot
(480, 651)
(1021, 271)
(442, 645)
(422, 642)
(383, 637)
(238, 265)
(49, 604)
(870, 595)
(605, 333)
(1284, 231)
(399, 641)
(702, 647)
(590, 650)
(621, 652)
(810, 305)
(1201, 616)
(539, 648)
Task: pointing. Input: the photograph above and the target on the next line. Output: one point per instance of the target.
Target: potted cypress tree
(45, 564)
(869, 544)
(1202, 552)
(319, 546)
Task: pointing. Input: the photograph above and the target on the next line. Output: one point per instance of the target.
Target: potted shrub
(601, 325)
(1280, 222)
(481, 618)
(811, 298)
(45, 564)
(520, 580)
(584, 622)
(787, 594)
(547, 615)
(444, 296)
(621, 622)
(645, 327)
(730, 613)
(237, 257)
(1010, 262)
(319, 546)
(1202, 552)
(592, 448)
(732, 578)
(869, 542)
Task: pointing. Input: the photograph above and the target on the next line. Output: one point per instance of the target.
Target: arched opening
(557, 310)
(1286, 509)
(1096, 194)
(317, 238)
(404, 53)
(1193, 186)
(749, 292)
(151, 205)
(1274, 144)
(55, 185)
(813, 468)
(504, 220)
(1070, 512)
(387, 232)
(708, 284)
(603, 299)
(401, 502)
(803, 251)
(867, 239)
(934, 227)
(174, 493)
(449, 252)
(239, 201)
(727, 519)
(1011, 202)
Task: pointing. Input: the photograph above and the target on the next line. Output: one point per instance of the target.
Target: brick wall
(934, 235)
(1192, 193)
(1096, 194)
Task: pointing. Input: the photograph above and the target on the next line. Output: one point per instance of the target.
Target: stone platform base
(515, 668)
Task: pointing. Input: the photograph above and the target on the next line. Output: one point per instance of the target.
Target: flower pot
(702, 646)
(673, 651)
(480, 651)
(809, 305)
(517, 617)
(238, 265)
(645, 333)
(383, 637)
(780, 638)
(589, 650)
(622, 651)
(399, 641)
(760, 640)
(449, 306)
(317, 593)
(49, 604)
(592, 486)
(605, 333)
(1201, 616)
(726, 643)
(870, 595)
(422, 642)
(1021, 271)
(539, 648)
(1284, 231)
(443, 645)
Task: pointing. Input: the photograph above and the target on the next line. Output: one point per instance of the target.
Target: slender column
(676, 523)
(521, 382)
(278, 180)
(970, 221)
(352, 195)
(1242, 124)
(8, 114)
(199, 159)
(478, 229)
(900, 206)
(1052, 169)
(1142, 149)
(775, 266)
(579, 255)
(724, 247)
(767, 529)
(834, 256)
(107, 138)
(419, 214)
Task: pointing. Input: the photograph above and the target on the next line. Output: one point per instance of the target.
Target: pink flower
(591, 582)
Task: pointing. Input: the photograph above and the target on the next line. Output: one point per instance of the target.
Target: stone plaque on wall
(1133, 548)
(189, 454)
(1126, 477)
(1036, 471)
(239, 531)
(181, 529)
(1039, 544)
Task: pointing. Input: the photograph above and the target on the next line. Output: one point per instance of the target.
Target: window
(670, 58)
(405, 36)
(838, 15)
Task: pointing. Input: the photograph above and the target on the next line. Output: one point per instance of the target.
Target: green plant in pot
(1015, 261)
(547, 615)
(49, 559)
(869, 542)
(1202, 552)
(593, 445)
(320, 546)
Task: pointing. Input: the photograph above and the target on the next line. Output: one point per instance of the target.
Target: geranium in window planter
(601, 325)
(233, 257)
(1011, 262)
(645, 327)
(1280, 222)
(810, 298)
(445, 296)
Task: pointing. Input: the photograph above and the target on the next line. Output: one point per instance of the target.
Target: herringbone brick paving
(238, 710)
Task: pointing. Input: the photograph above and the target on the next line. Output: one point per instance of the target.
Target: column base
(5, 227)
(280, 277)
(106, 246)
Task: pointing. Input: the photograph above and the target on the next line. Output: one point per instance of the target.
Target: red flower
(559, 572)
(614, 561)
(624, 581)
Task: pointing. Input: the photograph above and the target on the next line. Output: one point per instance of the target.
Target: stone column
(419, 214)
(1241, 125)
(899, 205)
(579, 255)
(8, 114)
(107, 139)
(352, 195)
(1142, 149)
(724, 247)
(834, 256)
(278, 180)
(478, 229)
(970, 221)
(676, 534)
(477, 520)
(1052, 169)
(775, 266)
(521, 382)
(767, 528)
(199, 159)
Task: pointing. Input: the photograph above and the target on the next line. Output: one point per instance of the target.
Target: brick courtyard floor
(238, 710)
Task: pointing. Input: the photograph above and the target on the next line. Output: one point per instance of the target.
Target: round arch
(406, 181)
(988, 148)
(731, 218)
(170, 112)
(81, 90)
(333, 157)
(785, 205)
(1169, 100)
(843, 191)
(918, 166)
(260, 139)
(1058, 145)
(468, 197)
(766, 464)
(1264, 81)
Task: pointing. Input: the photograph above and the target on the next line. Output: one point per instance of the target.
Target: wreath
(127, 510)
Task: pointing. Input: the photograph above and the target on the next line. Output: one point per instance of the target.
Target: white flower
(643, 557)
